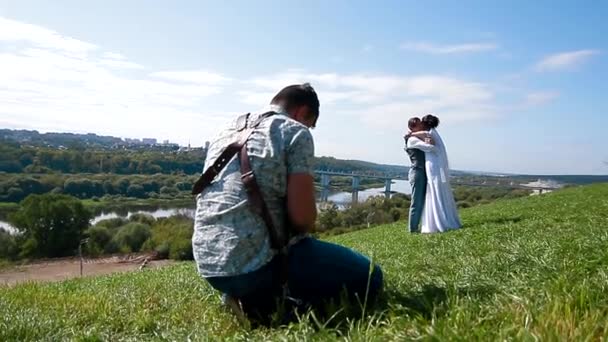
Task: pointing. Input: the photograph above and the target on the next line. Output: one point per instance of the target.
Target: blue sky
(520, 86)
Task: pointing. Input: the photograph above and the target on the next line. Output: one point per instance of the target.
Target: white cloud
(541, 97)
(54, 82)
(383, 100)
(114, 56)
(18, 32)
(192, 76)
(113, 63)
(448, 49)
(565, 60)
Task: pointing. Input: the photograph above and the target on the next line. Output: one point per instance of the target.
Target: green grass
(521, 269)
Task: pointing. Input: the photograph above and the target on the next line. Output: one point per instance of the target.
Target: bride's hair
(430, 121)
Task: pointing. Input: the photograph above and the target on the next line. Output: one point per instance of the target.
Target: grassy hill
(521, 269)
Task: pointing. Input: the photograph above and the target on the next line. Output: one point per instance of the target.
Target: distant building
(207, 146)
(149, 141)
(165, 142)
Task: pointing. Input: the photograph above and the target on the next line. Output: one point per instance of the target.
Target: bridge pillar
(324, 180)
(324, 187)
(387, 187)
(356, 181)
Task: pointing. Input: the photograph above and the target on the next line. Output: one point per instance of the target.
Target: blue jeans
(418, 180)
(318, 272)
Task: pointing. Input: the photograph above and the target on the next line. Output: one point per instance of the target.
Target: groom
(416, 148)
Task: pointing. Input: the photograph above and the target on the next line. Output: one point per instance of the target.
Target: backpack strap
(224, 158)
(256, 199)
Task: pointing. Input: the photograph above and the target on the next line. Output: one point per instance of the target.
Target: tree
(132, 236)
(136, 190)
(8, 245)
(52, 224)
(99, 237)
(329, 217)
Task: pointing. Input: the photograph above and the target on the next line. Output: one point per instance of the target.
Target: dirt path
(61, 269)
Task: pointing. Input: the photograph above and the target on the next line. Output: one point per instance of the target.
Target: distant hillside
(56, 140)
(359, 166)
(34, 152)
(31, 151)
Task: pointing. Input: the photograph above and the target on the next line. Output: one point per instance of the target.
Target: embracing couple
(432, 203)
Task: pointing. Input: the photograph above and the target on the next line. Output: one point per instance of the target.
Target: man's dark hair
(298, 95)
(413, 122)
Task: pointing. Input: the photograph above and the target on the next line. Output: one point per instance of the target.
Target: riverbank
(115, 204)
(136, 204)
(68, 268)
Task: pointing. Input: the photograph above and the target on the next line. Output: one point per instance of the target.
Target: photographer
(233, 245)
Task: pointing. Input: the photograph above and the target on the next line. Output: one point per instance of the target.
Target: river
(340, 198)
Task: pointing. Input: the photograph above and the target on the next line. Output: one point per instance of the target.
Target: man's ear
(300, 113)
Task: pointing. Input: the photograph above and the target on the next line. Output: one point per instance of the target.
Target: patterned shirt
(229, 238)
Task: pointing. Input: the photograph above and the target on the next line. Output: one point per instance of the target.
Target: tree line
(16, 187)
(22, 158)
(15, 158)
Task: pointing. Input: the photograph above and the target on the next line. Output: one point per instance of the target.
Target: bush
(99, 239)
(172, 237)
(28, 248)
(395, 214)
(169, 190)
(181, 249)
(113, 223)
(142, 218)
(131, 237)
(464, 204)
(162, 250)
(136, 190)
(9, 248)
(184, 186)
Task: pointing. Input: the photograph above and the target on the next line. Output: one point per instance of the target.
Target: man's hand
(429, 141)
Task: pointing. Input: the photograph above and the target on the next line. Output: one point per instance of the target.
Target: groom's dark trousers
(417, 177)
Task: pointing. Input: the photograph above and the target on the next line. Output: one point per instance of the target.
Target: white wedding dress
(440, 212)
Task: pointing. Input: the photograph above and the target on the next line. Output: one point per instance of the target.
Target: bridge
(538, 186)
(356, 179)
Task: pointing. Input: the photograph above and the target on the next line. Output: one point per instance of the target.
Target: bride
(440, 213)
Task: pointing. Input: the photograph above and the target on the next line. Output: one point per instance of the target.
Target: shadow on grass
(495, 220)
(428, 302)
